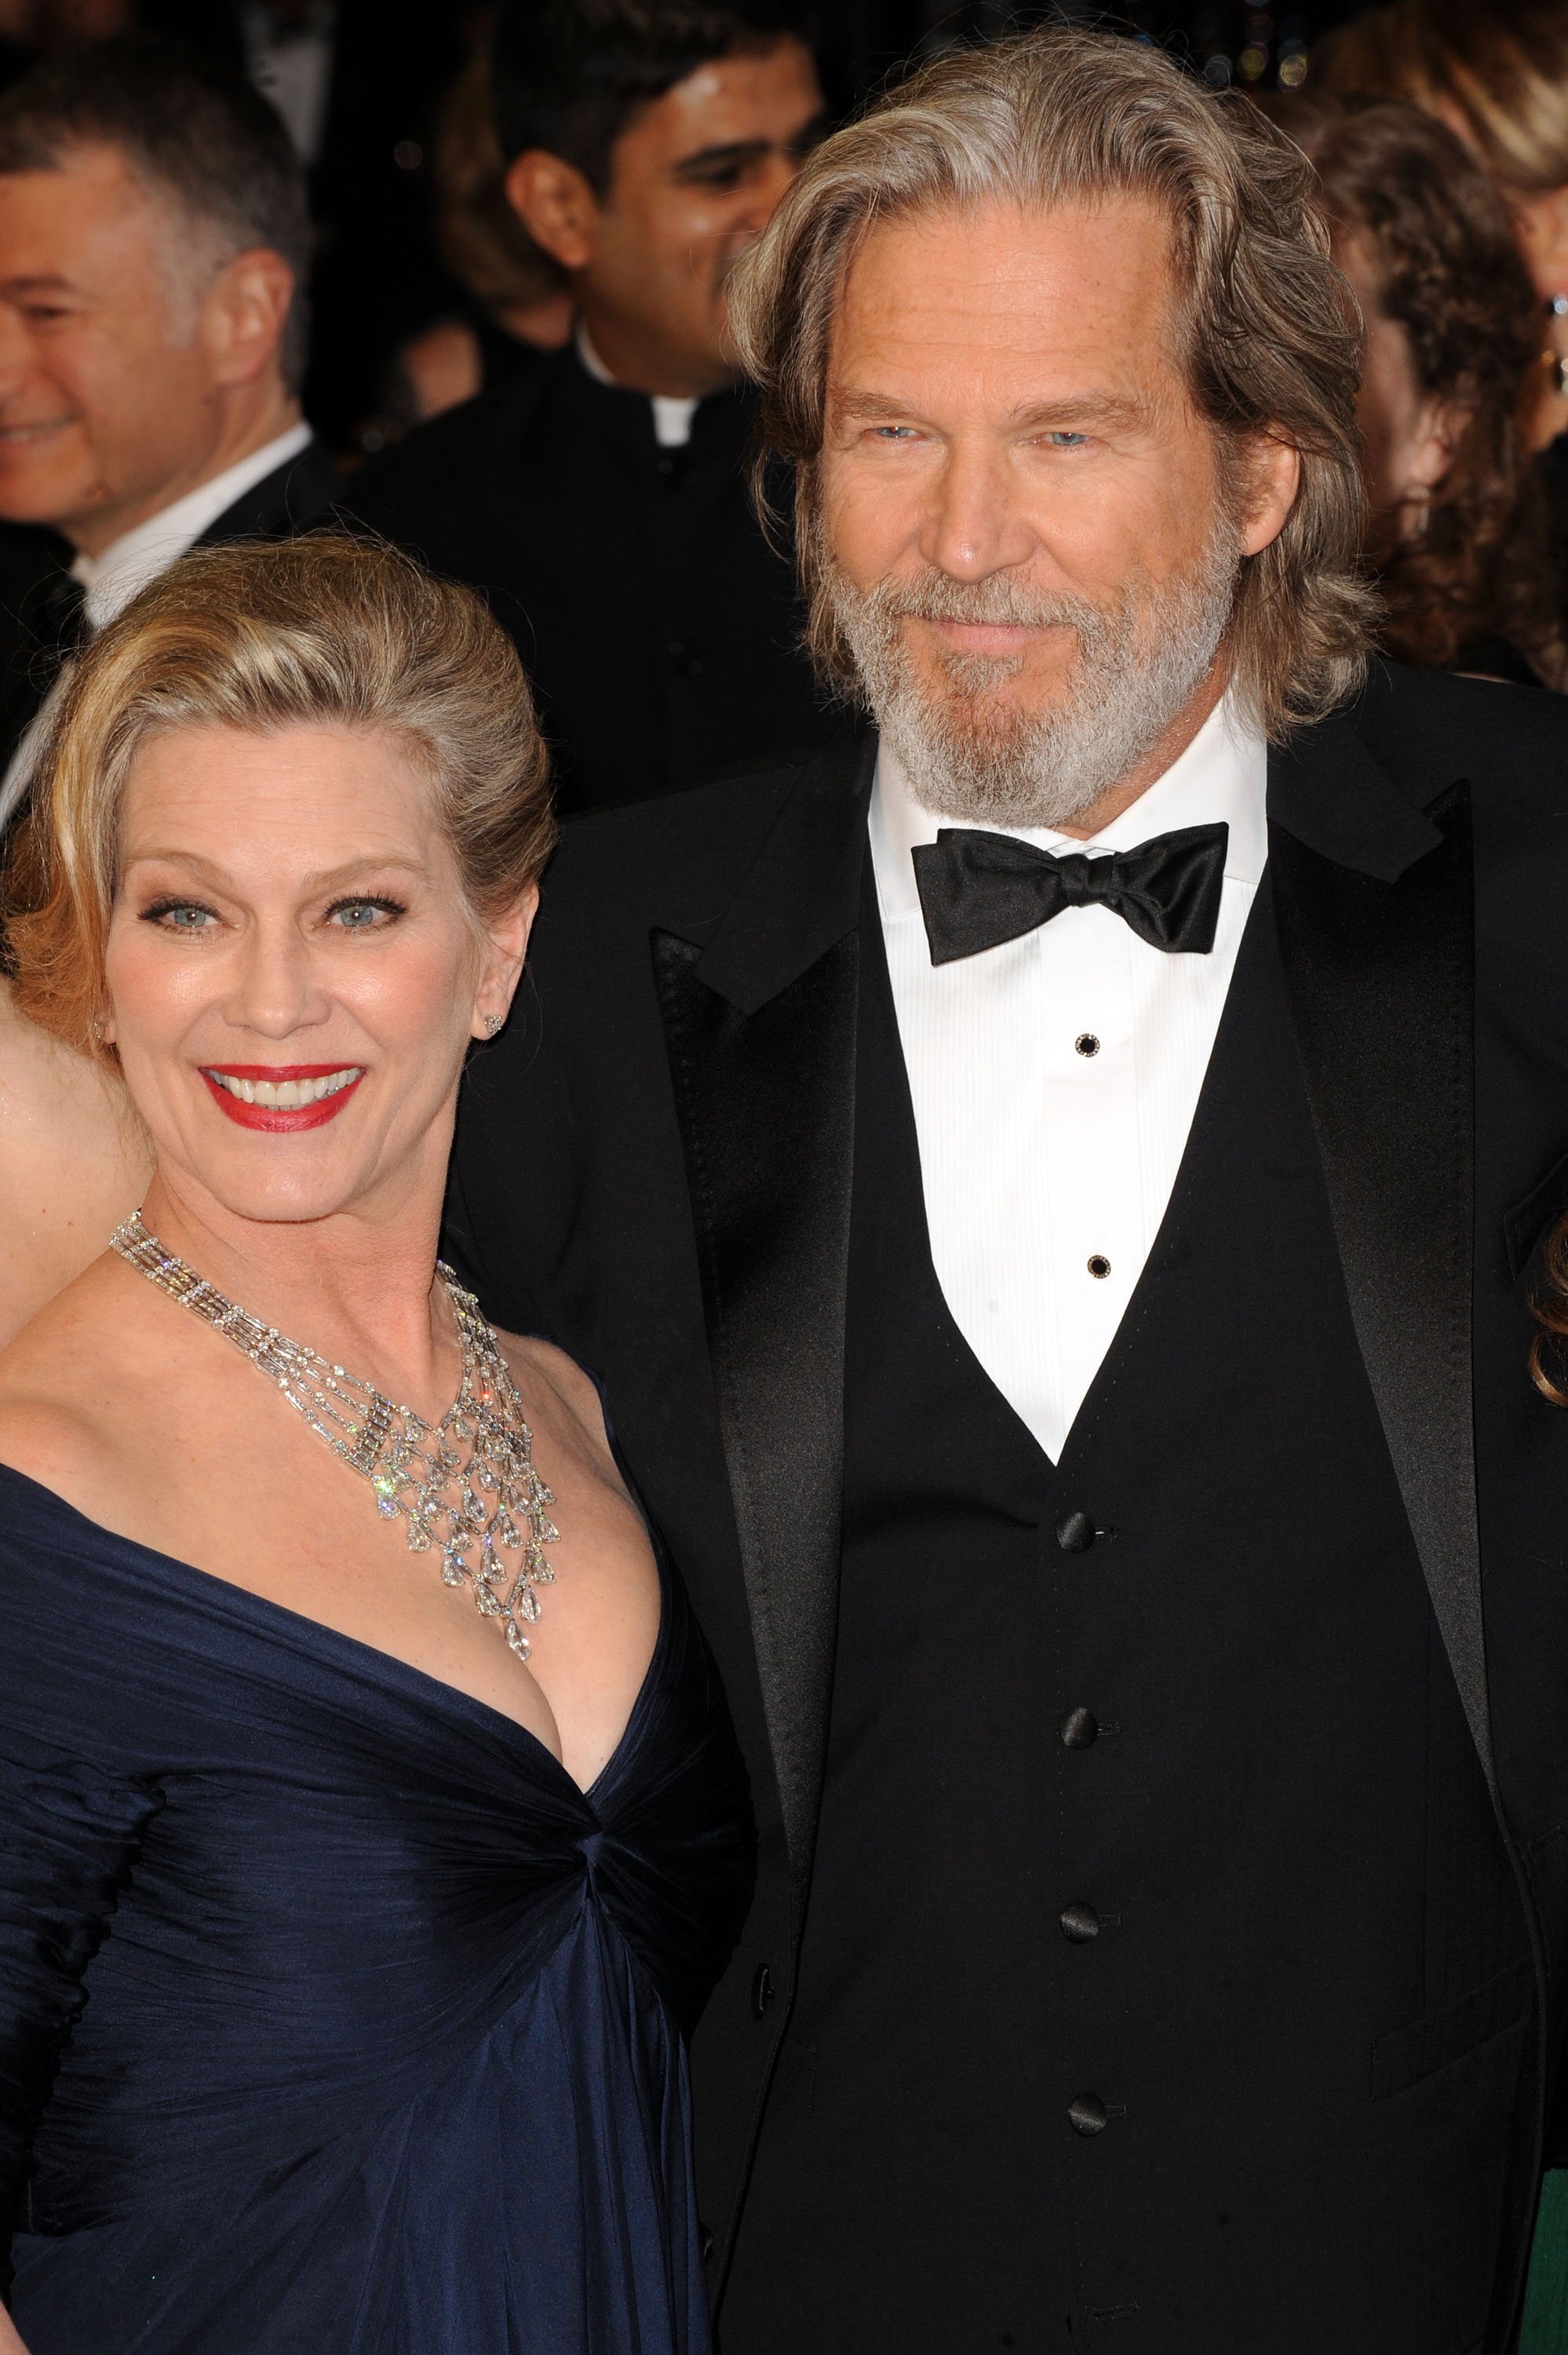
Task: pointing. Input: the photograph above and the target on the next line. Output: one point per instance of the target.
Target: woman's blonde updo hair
(321, 632)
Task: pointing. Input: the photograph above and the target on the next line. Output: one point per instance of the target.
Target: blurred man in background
(601, 501)
(153, 233)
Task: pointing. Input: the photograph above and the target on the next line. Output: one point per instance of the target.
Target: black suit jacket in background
(655, 1165)
(301, 495)
(660, 632)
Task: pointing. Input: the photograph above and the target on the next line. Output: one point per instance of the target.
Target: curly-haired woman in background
(1496, 71)
(1458, 533)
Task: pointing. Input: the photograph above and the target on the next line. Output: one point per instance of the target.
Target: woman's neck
(359, 1288)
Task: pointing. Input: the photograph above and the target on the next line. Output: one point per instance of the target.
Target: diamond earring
(492, 1023)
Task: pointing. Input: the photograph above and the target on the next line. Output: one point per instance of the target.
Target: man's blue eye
(1064, 441)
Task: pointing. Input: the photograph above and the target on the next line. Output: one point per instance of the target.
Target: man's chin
(31, 488)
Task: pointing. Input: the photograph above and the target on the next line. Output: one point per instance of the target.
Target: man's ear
(556, 205)
(1275, 479)
(244, 313)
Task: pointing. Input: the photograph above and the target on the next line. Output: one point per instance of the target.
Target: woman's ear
(506, 946)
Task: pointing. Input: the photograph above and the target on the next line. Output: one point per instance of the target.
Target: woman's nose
(277, 991)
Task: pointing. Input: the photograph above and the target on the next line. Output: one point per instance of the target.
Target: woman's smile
(281, 1096)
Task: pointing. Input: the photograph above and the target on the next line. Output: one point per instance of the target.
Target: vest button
(761, 1990)
(1076, 1532)
(1080, 1924)
(1088, 2115)
(1079, 1728)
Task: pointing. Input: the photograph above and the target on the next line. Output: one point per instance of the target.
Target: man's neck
(244, 431)
(640, 364)
(1167, 750)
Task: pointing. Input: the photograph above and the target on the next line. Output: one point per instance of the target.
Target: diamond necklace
(476, 1510)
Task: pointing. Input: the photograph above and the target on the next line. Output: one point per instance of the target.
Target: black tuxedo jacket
(659, 631)
(300, 496)
(654, 1164)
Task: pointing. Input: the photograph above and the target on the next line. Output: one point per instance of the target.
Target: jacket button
(1088, 2115)
(1080, 1924)
(1078, 1729)
(1076, 1532)
(761, 1990)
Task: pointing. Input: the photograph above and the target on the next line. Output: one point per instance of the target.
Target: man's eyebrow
(48, 282)
(709, 159)
(1077, 408)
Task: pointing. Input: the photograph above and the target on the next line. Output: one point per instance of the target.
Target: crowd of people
(784, 1201)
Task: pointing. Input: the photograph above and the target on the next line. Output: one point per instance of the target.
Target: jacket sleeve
(68, 1836)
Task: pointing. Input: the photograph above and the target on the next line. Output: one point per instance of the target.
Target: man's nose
(974, 525)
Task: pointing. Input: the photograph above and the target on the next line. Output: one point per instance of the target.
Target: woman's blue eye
(363, 915)
(185, 917)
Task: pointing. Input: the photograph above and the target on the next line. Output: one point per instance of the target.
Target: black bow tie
(980, 889)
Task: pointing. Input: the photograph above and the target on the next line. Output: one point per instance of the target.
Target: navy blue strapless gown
(333, 2016)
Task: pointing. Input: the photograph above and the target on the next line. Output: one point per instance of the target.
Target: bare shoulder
(73, 1160)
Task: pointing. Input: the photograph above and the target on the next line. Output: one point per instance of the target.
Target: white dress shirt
(1054, 1079)
(138, 556)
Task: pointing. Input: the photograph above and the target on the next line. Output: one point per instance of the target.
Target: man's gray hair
(1269, 334)
(192, 131)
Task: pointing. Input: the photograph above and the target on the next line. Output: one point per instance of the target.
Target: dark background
(378, 280)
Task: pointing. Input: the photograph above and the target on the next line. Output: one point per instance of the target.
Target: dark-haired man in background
(601, 501)
(153, 231)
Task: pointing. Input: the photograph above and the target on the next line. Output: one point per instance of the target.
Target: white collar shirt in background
(111, 580)
(138, 556)
(1054, 1078)
(673, 413)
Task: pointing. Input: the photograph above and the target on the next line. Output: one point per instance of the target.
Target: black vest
(1109, 2032)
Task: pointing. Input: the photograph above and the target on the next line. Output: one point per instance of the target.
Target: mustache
(934, 595)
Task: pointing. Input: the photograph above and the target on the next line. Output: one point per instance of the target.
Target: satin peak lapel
(1378, 946)
(760, 1027)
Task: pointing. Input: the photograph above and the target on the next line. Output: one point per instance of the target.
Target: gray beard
(968, 751)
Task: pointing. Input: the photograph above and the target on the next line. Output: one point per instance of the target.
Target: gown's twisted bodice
(333, 2015)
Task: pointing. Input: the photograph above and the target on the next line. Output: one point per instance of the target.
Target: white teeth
(288, 1095)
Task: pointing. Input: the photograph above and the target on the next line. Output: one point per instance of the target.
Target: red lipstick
(279, 1120)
